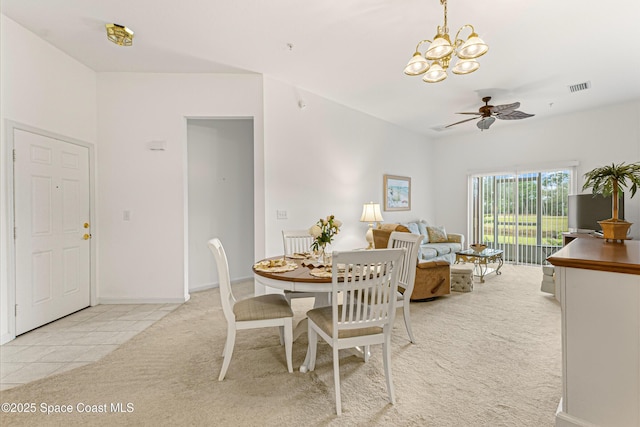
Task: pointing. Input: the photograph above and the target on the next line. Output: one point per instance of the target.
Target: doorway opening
(220, 156)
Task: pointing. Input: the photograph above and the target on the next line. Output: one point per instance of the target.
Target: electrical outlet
(281, 214)
(126, 215)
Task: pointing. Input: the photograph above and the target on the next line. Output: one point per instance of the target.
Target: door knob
(86, 225)
(86, 236)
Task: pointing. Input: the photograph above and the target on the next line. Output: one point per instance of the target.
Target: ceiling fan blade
(485, 123)
(466, 120)
(505, 108)
(515, 115)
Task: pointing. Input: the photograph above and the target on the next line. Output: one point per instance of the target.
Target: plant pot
(615, 229)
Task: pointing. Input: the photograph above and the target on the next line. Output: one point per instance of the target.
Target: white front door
(52, 238)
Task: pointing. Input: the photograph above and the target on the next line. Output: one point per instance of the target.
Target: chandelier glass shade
(435, 74)
(441, 51)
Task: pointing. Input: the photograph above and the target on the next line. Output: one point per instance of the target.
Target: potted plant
(612, 180)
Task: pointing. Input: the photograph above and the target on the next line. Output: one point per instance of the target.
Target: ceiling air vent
(580, 87)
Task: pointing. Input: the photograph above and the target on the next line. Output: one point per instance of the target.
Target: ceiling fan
(489, 113)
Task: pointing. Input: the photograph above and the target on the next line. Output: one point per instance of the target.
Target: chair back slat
(366, 282)
(296, 241)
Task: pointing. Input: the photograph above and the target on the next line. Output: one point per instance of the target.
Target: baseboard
(565, 420)
(6, 338)
(167, 300)
(142, 300)
(204, 287)
(217, 285)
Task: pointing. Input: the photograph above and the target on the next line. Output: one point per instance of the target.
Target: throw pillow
(423, 230)
(413, 227)
(437, 234)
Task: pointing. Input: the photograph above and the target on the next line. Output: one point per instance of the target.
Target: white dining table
(300, 279)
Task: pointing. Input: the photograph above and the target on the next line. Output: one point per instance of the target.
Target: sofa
(437, 245)
(432, 278)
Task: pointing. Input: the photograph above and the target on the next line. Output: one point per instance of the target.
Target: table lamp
(371, 213)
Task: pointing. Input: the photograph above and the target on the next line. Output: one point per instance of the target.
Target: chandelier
(441, 51)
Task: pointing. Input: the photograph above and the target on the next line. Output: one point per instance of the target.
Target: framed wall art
(397, 193)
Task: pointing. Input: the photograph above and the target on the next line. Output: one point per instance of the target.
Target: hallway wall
(220, 164)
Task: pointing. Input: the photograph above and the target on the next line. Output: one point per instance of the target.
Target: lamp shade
(371, 212)
(417, 65)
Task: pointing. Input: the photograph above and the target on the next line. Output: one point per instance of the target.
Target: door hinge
(16, 310)
(14, 155)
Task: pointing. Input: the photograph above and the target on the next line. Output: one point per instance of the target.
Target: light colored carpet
(491, 357)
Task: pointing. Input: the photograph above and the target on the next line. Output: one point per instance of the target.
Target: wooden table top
(302, 274)
(598, 254)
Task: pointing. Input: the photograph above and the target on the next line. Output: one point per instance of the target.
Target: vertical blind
(523, 214)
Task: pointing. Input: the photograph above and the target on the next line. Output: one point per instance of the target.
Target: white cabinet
(599, 286)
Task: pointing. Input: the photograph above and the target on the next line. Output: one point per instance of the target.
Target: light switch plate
(281, 214)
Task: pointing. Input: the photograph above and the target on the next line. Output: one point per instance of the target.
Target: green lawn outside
(552, 229)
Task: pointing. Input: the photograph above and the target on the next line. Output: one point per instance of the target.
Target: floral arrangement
(323, 231)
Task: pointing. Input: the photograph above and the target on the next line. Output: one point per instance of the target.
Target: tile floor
(75, 340)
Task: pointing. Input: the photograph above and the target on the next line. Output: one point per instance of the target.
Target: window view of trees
(525, 215)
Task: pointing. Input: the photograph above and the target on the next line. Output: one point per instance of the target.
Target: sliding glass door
(523, 214)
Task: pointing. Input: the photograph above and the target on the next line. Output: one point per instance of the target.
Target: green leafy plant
(323, 231)
(612, 180)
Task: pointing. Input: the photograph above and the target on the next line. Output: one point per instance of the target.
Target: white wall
(594, 138)
(144, 259)
(220, 153)
(329, 159)
(323, 159)
(44, 88)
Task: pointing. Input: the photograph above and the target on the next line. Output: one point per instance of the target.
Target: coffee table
(481, 261)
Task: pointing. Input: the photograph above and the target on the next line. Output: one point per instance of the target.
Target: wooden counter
(596, 254)
(598, 285)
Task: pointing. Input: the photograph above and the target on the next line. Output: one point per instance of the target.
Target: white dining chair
(255, 312)
(358, 276)
(296, 241)
(411, 242)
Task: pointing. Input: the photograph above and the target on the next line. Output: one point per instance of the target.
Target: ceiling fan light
(435, 74)
(440, 47)
(465, 66)
(473, 48)
(416, 65)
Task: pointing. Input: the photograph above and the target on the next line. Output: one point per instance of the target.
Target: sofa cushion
(445, 248)
(437, 234)
(412, 226)
(428, 252)
(422, 226)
